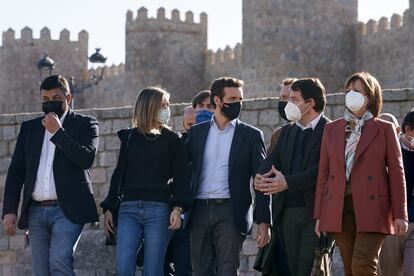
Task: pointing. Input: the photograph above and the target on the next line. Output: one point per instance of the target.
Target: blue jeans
(138, 220)
(53, 239)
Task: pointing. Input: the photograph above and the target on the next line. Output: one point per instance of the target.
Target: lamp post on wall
(46, 64)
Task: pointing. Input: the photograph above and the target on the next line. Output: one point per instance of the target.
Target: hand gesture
(271, 185)
(51, 122)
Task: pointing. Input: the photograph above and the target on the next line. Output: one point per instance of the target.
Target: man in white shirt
(51, 160)
(225, 155)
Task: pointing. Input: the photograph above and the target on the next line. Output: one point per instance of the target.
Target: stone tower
(19, 77)
(384, 49)
(166, 52)
(299, 38)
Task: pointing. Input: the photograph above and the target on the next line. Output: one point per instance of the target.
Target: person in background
(360, 193)
(289, 173)
(188, 120)
(151, 204)
(202, 106)
(397, 252)
(391, 118)
(283, 100)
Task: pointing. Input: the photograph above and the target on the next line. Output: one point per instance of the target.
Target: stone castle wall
(92, 257)
(281, 39)
(383, 50)
(225, 62)
(19, 77)
(166, 52)
(298, 39)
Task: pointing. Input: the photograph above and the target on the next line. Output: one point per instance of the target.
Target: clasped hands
(271, 182)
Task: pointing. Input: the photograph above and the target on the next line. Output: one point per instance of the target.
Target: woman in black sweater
(151, 155)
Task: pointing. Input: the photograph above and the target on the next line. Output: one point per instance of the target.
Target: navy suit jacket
(246, 153)
(76, 144)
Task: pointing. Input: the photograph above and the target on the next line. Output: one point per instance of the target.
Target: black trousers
(215, 242)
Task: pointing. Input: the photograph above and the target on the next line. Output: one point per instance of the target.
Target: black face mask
(281, 108)
(231, 110)
(53, 106)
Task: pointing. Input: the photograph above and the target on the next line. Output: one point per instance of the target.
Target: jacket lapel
(201, 143)
(236, 144)
(341, 140)
(36, 144)
(313, 139)
(69, 121)
(38, 136)
(67, 126)
(290, 145)
(369, 132)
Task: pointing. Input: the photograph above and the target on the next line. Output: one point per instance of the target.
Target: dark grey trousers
(298, 228)
(215, 242)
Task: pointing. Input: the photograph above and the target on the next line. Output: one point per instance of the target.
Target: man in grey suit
(225, 155)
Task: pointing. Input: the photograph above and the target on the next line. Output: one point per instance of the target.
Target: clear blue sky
(105, 19)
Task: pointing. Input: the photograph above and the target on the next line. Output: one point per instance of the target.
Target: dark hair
(408, 121)
(200, 97)
(311, 88)
(372, 88)
(218, 85)
(55, 81)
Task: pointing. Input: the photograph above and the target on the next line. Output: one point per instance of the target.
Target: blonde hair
(147, 108)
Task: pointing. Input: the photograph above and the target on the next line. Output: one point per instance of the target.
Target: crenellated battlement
(227, 56)
(26, 36)
(384, 25)
(109, 71)
(142, 22)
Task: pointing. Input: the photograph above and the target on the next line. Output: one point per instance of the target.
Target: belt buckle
(219, 201)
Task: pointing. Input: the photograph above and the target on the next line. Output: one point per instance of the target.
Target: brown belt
(46, 203)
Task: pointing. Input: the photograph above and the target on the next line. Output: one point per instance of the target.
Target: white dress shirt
(45, 188)
(312, 124)
(214, 178)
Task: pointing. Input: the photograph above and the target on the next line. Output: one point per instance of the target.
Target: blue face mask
(203, 115)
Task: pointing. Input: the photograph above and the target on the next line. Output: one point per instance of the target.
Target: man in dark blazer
(290, 173)
(225, 154)
(51, 160)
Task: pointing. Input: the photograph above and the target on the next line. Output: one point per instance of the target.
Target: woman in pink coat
(360, 194)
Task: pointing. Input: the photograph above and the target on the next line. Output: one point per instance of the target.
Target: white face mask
(164, 115)
(354, 101)
(293, 112)
(410, 140)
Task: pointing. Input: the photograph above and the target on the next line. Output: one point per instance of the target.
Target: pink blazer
(377, 179)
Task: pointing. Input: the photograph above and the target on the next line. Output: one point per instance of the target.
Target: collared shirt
(311, 124)
(214, 178)
(45, 188)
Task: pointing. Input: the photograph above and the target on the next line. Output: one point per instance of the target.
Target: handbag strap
(123, 166)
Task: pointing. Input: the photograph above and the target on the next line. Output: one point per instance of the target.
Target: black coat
(281, 158)
(246, 153)
(76, 144)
